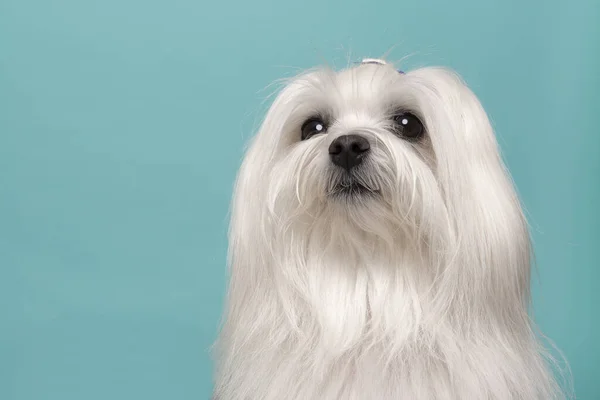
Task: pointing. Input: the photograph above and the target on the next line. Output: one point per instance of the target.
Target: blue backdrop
(122, 124)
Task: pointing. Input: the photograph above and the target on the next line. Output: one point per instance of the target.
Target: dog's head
(378, 147)
(375, 163)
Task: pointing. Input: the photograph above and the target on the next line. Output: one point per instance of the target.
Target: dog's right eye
(408, 125)
(313, 126)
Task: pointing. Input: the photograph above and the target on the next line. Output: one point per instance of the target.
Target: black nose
(349, 150)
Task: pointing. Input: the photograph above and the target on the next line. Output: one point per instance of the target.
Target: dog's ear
(249, 238)
(248, 302)
(492, 243)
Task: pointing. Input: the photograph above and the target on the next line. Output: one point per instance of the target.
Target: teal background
(122, 124)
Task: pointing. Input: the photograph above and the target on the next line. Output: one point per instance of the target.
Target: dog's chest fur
(369, 335)
(476, 372)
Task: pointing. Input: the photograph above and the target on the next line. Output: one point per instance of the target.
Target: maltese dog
(378, 249)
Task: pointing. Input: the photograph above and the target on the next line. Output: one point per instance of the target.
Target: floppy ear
(249, 300)
(250, 297)
(248, 238)
(491, 266)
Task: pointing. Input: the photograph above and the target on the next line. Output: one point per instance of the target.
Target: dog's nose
(348, 151)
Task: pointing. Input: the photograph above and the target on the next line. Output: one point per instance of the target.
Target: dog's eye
(408, 125)
(313, 126)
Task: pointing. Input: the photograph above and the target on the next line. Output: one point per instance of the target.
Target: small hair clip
(373, 61)
(377, 61)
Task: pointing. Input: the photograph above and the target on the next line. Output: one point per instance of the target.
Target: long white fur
(419, 293)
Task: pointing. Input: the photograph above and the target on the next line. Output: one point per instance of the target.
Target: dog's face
(369, 143)
(353, 138)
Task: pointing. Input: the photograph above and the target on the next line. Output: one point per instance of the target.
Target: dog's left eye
(313, 126)
(408, 125)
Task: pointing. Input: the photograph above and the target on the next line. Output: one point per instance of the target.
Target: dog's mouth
(352, 190)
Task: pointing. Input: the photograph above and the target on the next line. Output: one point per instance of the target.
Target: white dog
(378, 249)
